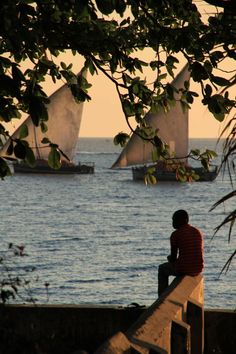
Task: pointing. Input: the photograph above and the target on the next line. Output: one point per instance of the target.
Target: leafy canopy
(109, 35)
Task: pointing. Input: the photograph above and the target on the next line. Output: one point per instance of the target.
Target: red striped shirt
(188, 240)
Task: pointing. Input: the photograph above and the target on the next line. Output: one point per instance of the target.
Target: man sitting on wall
(186, 257)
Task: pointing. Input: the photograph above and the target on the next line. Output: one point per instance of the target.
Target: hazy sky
(103, 117)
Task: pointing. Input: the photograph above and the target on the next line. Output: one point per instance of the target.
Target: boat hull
(170, 176)
(45, 169)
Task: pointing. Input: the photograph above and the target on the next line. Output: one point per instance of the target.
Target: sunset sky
(103, 117)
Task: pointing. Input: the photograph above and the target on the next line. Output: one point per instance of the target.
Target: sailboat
(63, 129)
(173, 130)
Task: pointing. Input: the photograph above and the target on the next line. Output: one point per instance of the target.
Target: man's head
(179, 218)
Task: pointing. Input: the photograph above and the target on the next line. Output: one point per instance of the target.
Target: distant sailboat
(173, 130)
(63, 129)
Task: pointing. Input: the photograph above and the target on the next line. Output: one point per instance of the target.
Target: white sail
(173, 130)
(63, 126)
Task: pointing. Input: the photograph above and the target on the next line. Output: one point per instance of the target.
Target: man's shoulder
(194, 228)
(184, 230)
(175, 233)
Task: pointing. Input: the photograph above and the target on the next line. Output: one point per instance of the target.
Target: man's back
(189, 242)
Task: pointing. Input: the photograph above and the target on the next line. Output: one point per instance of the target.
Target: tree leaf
(54, 158)
(4, 168)
(120, 6)
(44, 127)
(208, 90)
(121, 139)
(10, 148)
(220, 81)
(199, 73)
(23, 131)
(150, 179)
(20, 150)
(30, 158)
(45, 141)
(106, 6)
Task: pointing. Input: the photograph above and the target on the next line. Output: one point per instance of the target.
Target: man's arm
(173, 254)
(173, 248)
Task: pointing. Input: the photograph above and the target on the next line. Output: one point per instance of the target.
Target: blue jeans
(164, 271)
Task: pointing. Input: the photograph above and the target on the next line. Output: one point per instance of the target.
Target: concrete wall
(220, 332)
(68, 329)
(51, 329)
(174, 324)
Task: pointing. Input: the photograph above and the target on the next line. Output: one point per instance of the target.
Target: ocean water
(98, 239)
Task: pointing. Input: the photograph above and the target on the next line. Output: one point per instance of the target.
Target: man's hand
(171, 258)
